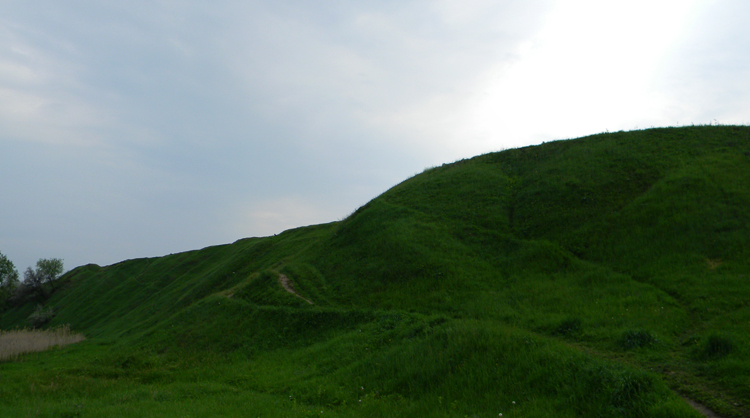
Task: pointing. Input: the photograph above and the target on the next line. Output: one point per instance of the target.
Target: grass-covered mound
(590, 277)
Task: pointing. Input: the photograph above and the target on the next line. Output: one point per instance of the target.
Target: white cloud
(41, 96)
(708, 74)
(589, 69)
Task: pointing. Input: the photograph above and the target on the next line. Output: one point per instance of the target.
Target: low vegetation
(15, 343)
(600, 276)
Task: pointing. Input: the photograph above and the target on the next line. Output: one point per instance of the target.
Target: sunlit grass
(17, 342)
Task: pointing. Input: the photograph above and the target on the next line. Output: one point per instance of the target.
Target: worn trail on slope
(287, 285)
(702, 409)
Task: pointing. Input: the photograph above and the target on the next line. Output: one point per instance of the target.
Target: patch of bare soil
(286, 283)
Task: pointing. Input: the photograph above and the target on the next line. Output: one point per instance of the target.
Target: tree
(8, 279)
(47, 271)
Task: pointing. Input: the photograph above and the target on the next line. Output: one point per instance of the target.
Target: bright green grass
(396, 364)
(589, 277)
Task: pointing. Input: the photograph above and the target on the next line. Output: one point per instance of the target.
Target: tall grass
(15, 343)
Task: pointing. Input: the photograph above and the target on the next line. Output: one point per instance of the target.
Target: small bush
(717, 346)
(636, 339)
(568, 327)
(629, 392)
(41, 316)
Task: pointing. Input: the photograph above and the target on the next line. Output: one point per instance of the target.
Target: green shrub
(568, 327)
(41, 316)
(636, 339)
(717, 346)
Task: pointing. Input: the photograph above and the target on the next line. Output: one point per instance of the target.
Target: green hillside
(601, 276)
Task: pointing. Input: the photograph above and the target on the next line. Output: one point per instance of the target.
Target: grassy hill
(600, 276)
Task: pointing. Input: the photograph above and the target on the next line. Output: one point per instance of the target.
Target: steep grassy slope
(575, 278)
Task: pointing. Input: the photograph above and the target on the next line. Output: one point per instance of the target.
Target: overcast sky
(143, 128)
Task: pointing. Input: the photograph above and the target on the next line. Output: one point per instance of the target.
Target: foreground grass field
(601, 276)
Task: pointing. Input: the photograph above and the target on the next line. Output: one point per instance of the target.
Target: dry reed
(15, 343)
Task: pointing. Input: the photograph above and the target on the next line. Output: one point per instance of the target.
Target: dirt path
(287, 285)
(701, 408)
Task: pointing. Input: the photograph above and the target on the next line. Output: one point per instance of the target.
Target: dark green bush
(568, 327)
(717, 346)
(41, 316)
(635, 339)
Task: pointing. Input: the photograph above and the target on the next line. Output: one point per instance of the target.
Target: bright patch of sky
(144, 128)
